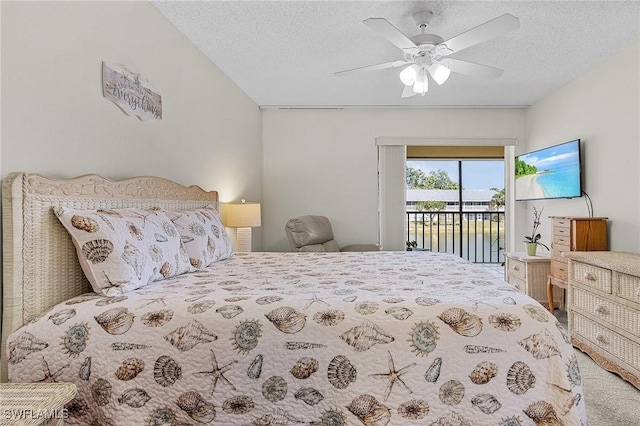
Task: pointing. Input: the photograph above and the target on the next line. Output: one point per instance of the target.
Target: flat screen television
(552, 172)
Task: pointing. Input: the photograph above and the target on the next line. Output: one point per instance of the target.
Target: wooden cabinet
(529, 275)
(573, 234)
(604, 309)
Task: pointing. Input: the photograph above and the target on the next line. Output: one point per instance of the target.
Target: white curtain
(392, 194)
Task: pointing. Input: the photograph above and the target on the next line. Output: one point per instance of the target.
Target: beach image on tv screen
(553, 172)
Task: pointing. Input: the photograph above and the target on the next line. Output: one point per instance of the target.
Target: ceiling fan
(427, 54)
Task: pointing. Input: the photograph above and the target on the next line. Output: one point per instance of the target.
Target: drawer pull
(638, 291)
(516, 268)
(589, 277)
(602, 310)
(602, 338)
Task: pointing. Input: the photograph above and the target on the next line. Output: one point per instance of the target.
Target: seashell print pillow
(123, 249)
(203, 235)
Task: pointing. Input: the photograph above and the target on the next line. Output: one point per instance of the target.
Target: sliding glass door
(457, 206)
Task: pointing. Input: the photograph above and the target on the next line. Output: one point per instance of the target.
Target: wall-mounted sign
(130, 92)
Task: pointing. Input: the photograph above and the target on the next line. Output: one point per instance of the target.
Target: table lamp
(243, 216)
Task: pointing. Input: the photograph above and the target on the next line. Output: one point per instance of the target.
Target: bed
(376, 338)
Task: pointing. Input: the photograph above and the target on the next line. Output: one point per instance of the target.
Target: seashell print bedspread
(326, 339)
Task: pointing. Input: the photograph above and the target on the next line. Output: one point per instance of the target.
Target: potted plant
(411, 245)
(533, 241)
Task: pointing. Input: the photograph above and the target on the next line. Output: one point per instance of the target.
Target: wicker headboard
(40, 267)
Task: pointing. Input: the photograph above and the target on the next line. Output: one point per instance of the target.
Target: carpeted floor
(610, 400)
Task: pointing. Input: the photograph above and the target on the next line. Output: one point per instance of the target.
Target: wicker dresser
(604, 309)
(529, 275)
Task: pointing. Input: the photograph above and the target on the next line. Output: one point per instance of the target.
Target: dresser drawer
(592, 276)
(562, 232)
(620, 347)
(617, 315)
(557, 251)
(561, 240)
(518, 283)
(559, 270)
(627, 286)
(516, 268)
(559, 223)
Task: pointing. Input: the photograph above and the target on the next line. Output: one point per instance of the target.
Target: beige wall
(325, 161)
(56, 122)
(602, 108)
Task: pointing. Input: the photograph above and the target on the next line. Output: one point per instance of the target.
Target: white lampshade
(243, 215)
(439, 72)
(421, 86)
(409, 74)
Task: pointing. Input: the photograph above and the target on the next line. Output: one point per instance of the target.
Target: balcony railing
(475, 236)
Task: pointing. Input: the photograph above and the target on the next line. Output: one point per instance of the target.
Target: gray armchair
(314, 233)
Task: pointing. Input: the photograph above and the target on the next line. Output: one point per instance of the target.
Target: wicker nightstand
(34, 403)
(529, 275)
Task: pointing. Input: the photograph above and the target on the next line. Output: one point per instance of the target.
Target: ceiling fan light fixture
(439, 72)
(409, 74)
(425, 54)
(421, 85)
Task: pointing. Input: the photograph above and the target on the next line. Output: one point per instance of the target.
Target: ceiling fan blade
(407, 92)
(391, 33)
(473, 70)
(377, 67)
(491, 29)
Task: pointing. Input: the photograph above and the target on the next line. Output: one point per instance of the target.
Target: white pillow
(123, 249)
(203, 235)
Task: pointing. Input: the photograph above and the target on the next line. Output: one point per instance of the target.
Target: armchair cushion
(362, 247)
(330, 245)
(305, 231)
(314, 233)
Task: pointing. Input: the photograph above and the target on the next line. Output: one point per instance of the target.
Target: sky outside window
(476, 174)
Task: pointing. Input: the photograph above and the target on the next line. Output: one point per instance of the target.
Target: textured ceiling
(284, 53)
